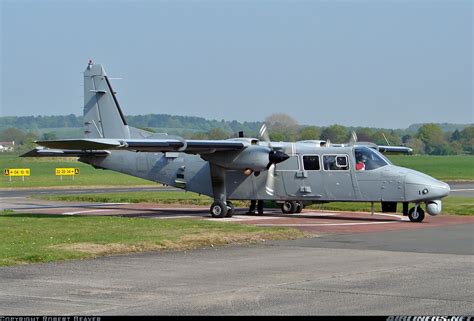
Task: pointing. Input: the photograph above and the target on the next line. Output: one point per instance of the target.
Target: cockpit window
(368, 159)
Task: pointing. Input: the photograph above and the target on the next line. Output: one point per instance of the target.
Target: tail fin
(103, 117)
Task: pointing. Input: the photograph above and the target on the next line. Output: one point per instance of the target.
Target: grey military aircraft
(291, 173)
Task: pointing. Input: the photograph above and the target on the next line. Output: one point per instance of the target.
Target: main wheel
(288, 207)
(218, 209)
(299, 206)
(417, 216)
(230, 209)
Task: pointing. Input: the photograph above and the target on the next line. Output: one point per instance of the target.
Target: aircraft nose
(419, 186)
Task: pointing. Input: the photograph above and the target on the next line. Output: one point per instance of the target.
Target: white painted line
(6, 198)
(168, 217)
(88, 211)
(236, 218)
(114, 203)
(462, 190)
(312, 214)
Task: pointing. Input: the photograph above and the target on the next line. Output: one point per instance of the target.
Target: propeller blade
(353, 138)
(270, 183)
(263, 134)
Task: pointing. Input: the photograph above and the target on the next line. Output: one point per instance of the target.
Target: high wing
(47, 152)
(395, 149)
(145, 145)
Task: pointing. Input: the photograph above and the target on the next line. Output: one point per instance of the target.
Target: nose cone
(419, 186)
(276, 157)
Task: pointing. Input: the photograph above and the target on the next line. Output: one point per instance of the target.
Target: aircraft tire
(230, 209)
(218, 209)
(299, 206)
(417, 216)
(288, 207)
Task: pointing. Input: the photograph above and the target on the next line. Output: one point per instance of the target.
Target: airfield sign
(11, 172)
(67, 171)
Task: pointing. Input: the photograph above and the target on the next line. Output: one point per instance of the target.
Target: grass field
(453, 205)
(29, 238)
(441, 167)
(43, 173)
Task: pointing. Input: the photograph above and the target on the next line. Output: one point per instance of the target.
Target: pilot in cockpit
(360, 161)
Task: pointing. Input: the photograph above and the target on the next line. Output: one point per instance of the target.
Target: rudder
(103, 117)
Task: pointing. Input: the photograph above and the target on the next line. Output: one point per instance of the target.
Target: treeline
(433, 139)
(160, 121)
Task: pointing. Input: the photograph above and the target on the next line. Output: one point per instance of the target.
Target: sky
(357, 63)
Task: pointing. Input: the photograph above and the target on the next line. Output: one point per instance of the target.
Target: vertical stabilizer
(103, 117)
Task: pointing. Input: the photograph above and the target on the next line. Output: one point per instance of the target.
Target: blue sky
(357, 63)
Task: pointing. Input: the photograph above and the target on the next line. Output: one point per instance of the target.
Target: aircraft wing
(395, 149)
(47, 152)
(145, 145)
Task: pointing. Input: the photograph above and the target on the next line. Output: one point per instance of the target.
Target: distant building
(7, 146)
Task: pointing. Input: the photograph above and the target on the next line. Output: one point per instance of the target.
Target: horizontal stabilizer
(46, 152)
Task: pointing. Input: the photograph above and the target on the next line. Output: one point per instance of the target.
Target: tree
(217, 133)
(49, 136)
(455, 136)
(309, 133)
(383, 137)
(13, 134)
(417, 145)
(336, 134)
(433, 137)
(282, 125)
(365, 134)
(467, 139)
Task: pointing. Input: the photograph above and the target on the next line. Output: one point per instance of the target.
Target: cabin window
(291, 164)
(368, 159)
(311, 163)
(336, 162)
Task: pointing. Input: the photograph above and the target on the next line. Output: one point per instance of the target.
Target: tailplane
(103, 117)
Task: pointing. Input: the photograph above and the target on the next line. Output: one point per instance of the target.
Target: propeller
(274, 157)
(353, 138)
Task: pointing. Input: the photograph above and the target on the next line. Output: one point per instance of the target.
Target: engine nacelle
(254, 157)
(433, 207)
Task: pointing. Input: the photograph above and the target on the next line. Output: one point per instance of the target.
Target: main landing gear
(221, 209)
(291, 207)
(221, 206)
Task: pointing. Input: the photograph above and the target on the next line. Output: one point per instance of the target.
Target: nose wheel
(416, 214)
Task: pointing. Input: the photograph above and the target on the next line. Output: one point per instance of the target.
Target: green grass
(448, 168)
(34, 238)
(43, 173)
(455, 205)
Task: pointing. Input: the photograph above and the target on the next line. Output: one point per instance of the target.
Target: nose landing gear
(416, 214)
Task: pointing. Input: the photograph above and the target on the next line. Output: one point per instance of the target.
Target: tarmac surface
(356, 263)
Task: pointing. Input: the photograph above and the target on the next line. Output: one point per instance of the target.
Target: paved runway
(356, 264)
(398, 272)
